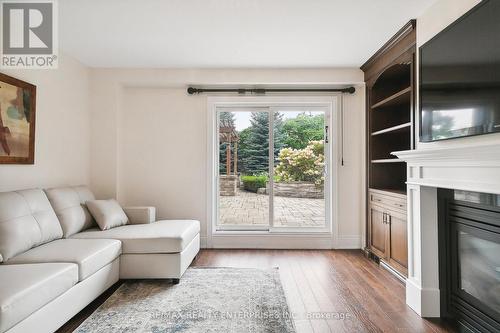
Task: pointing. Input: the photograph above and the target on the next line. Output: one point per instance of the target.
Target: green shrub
(253, 183)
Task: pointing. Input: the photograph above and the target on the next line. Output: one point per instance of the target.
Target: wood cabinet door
(398, 241)
(378, 231)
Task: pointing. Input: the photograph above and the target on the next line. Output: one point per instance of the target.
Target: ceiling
(230, 33)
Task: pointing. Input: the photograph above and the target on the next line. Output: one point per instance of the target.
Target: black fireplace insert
(469, 256)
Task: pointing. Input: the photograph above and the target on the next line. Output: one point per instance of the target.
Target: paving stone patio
(247, 208)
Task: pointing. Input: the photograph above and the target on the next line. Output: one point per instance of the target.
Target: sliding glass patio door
(273, 171)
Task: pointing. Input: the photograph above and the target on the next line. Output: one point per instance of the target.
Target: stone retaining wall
(298, 190)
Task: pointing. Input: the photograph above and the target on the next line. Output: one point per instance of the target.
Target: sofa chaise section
(170, 236)
(162, 249)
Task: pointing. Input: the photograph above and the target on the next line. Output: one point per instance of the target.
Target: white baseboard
(203, 242)
(269, 241)
(349, 242)
(424, 301)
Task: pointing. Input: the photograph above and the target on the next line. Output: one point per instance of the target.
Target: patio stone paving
(247, 208)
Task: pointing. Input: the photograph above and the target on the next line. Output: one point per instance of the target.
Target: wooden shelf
(398, 98)
(388, 160)
(392, 129)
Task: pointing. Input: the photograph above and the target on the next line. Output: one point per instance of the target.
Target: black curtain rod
(192, 91)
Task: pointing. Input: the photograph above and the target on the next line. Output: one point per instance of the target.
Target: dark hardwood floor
(328, 291)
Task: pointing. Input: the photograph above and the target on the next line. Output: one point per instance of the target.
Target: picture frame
(17, 121)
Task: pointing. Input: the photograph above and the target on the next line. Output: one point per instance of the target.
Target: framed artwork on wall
(17, 121)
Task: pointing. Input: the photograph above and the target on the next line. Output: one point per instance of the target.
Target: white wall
(144, 123)
(437, 17)
(162, 151)
(62, 140)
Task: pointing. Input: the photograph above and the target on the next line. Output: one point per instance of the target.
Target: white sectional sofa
(55, 260)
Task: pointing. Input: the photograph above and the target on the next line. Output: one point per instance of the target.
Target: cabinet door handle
(384, 219)
(389, 218)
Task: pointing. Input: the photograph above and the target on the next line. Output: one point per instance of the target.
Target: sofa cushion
(26, 220)
(69, 205)
(27, 288)
(170, 236)
(89, 254)
(107, 213)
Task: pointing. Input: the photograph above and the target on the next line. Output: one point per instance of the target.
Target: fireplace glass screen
(479, 262)
(469, 242)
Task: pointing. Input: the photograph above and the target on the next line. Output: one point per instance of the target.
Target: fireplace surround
(474, 168)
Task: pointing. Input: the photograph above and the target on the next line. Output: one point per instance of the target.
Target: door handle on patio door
(326, 134)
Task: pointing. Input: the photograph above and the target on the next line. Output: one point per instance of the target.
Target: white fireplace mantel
(472, 168)
(469, 168)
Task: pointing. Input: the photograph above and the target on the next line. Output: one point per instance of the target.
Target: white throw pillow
(107, 213)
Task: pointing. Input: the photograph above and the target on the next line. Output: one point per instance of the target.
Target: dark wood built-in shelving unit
(390, 100)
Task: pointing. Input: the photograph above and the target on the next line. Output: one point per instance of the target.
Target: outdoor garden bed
(298, 190)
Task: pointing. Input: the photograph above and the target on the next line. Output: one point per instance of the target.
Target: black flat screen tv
(460, 77)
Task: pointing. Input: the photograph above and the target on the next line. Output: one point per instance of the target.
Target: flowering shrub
(302, 164)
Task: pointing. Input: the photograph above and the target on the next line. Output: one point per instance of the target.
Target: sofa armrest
(140, 214)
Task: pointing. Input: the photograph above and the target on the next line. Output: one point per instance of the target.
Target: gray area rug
(205, 300)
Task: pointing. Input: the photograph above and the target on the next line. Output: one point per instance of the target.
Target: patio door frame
(270, 236)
